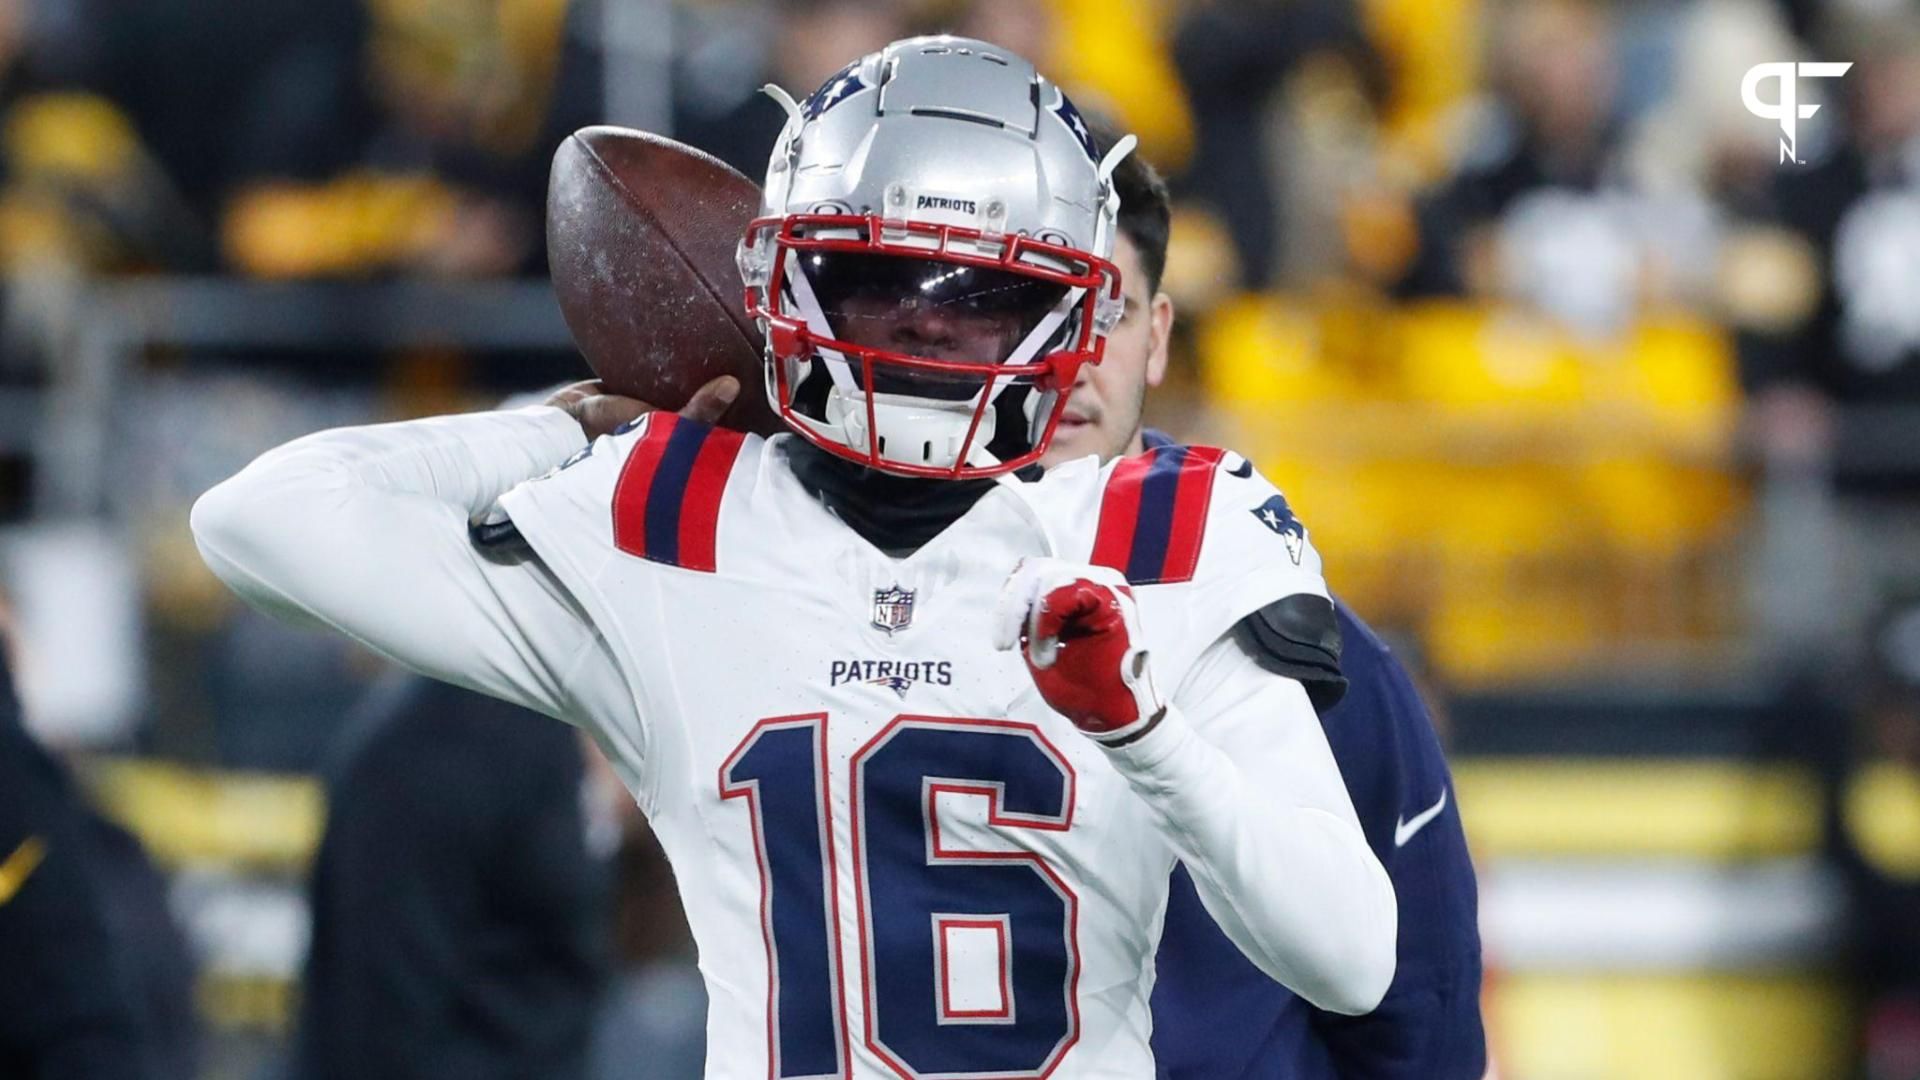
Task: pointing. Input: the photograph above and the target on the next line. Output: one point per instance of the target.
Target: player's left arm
(1237, 773)
(1383, 738)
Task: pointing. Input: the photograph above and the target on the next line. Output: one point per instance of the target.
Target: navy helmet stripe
(1154, 524)
(1070, 116)
(839, 86)
(669, 488)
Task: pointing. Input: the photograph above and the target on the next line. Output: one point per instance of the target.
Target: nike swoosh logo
(1404, 828)
(20, 866)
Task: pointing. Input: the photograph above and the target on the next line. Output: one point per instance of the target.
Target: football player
(922, 731)
(1214, 1014)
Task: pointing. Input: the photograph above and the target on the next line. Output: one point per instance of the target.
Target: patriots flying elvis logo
(1276, 515)
(1070, 116)
(844, 84)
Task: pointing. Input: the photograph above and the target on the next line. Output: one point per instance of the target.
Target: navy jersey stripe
(1147, 561)
(669, 490)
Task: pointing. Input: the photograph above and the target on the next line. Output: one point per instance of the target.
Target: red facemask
(921, 349)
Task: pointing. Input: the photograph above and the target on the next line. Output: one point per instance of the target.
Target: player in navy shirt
(1215, 1015)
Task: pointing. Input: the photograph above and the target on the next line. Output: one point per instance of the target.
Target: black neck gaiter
(897, 514)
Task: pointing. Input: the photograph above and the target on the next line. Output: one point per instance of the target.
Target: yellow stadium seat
(78, 136)
(1349, 506)
(1463, 356)
(1669, 399)
(1683, 371)
(358, 223)
(1530, 496)
(1883, 818)
(1502, 511)
(1596, 809)
(1649, 505)
(235, 819)
(1264, 350)
(1513, 620)
(1741, 1025)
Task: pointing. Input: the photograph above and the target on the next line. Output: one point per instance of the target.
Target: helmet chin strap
(907, 429)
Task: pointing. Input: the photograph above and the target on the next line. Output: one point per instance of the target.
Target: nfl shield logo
(892, 609)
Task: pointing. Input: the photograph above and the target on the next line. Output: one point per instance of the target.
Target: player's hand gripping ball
(1078, 629)
(599, 412)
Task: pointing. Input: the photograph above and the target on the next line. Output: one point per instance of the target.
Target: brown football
(640, 239)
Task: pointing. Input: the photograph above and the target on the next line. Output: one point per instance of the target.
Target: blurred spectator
(1698, 143)
(1021, 26)
(805, 43)
(1695, 134)
(1854, 210)
(95, 982)
(1547, 125)
(1541, 208)
(79, 187)
(1233, 59)
(460, 896)
(223, 90)
(1881, 809)
(435, 160)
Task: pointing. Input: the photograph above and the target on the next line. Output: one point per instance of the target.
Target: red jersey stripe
(636, 482)
(700, 506)
(1190, 503)
(1120, 513)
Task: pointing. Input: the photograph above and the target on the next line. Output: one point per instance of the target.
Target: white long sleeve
(1240, 778)
(365, 530)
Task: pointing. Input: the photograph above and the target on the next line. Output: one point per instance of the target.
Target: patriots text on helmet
(941, 202)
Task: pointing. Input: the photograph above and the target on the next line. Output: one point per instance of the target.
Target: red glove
(1079, 633)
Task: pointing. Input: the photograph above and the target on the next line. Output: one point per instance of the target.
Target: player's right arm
(364, 530)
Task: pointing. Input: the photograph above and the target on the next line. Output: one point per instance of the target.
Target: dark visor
(896, 302)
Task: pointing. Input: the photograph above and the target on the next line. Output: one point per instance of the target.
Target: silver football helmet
(930, 264)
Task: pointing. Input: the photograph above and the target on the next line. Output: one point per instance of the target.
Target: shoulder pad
(1299, 637)
(666, 503)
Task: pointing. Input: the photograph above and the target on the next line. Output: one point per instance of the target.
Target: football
(640, 242)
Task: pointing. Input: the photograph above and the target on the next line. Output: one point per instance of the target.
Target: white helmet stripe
(801, 293)
(1030, 345)
(1044, 330)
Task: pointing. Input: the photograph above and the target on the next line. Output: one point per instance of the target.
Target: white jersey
(895, 858)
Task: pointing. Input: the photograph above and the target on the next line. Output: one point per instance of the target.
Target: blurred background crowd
(1607, 411)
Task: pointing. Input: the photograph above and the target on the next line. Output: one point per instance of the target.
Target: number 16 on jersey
(968, 961)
